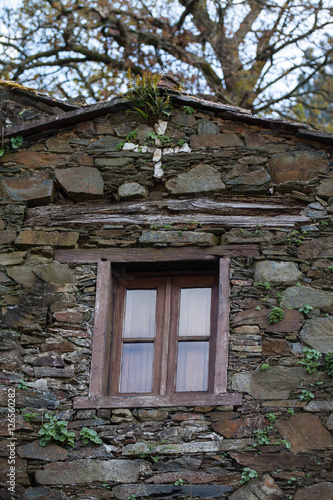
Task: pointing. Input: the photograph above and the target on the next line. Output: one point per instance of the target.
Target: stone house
(159, 284)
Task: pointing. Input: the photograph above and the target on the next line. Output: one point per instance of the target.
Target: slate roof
(70, 114)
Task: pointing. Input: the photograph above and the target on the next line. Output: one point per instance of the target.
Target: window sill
(151, 401)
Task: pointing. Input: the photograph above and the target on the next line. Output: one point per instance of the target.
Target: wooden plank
(222, 339)
(181, 399)
(101, 329)
(229, 211)
(222, 221)
(133, 255)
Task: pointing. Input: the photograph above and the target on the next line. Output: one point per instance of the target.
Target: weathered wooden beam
(132, 255)
(158, 401)
(236, 213)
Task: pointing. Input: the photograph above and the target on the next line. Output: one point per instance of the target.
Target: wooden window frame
(166, 336)
(99, 372)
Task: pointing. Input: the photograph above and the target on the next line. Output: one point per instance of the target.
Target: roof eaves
(68, 118)
(225, 111)
(34, 95)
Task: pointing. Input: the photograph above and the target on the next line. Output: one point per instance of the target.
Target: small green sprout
(275, 315)
(188, 110)
(22, 385)
(263, 284)
(16, 141)
(151, 135)
(329, 363)
(28, 416)
(285, 442)
(264, 366)
(306, 309)
(248, 474)
(306, 395)
(262, 437)
(55, 430)
(310, 359)
(89, 435)
(132, 136)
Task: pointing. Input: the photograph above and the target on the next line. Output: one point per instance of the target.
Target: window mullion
(166, 329)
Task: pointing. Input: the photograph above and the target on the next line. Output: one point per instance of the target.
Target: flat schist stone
(275, 383)
(216, 141)
(132, 190)
(322, 491)
(36, 190)
(81, 183)
(177, 238)
(318, 333)
(88, 471)
(299, 431)
(49, 453)
(298, 166)
(200, 179)
(277, 272)
(267, 489)
(170, 491)
(29, 237)
(296, 297)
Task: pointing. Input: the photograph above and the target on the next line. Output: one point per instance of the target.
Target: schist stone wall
(218, 176)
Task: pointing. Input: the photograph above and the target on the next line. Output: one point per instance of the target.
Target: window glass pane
(194, 317)
(192, 366)
(137, 368)
(140, 313)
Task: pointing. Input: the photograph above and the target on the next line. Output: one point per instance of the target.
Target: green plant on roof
(147, 96)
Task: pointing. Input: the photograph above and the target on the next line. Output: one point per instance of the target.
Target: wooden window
(164, 335)
(160, 340)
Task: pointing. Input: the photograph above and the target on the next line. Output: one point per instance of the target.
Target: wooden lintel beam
(133, 255)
